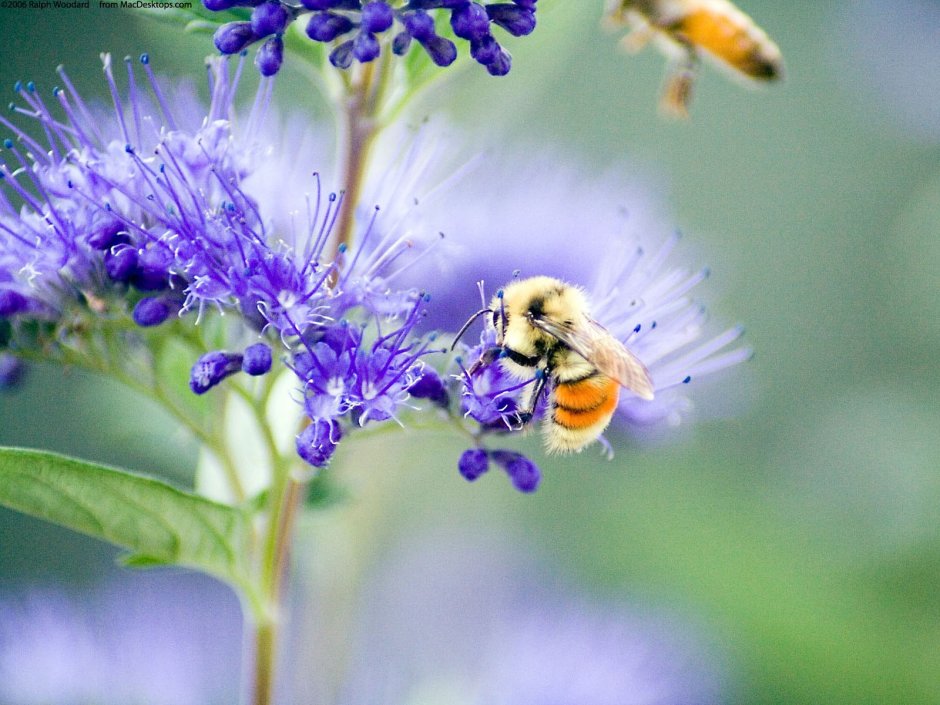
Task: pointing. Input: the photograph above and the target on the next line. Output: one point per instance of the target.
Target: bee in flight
(544, 330)
(685, 29)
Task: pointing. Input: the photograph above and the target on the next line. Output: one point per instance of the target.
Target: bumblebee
(544, 330)
(685, 29)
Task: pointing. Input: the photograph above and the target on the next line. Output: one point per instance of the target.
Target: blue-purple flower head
(489, 624)
(146, 219)
(361, 31)
(162, 639)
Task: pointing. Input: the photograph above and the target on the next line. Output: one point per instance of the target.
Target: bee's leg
(489, 356)
(636, 40)
(677, 91)
(541, 382)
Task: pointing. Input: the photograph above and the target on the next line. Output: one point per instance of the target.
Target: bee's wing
(592, 342)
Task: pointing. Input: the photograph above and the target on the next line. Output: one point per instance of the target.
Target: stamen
(158, 94)
(132, 99)
(115, 97)
(83, 109)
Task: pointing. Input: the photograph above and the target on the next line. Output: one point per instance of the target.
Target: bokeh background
(800, 536)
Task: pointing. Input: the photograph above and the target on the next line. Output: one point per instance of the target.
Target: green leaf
(158, 523)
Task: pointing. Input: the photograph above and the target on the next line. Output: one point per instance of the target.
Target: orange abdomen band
(583, 404)
(728, 41)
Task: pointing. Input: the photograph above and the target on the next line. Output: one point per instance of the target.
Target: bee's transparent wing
(592, 342)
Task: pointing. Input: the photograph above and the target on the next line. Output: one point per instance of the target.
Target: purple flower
(487, 625)
(212, 368)
(368, 377)
(317, 442)
(180, 205)
(889, 49)
(357, 27)
(160, 639)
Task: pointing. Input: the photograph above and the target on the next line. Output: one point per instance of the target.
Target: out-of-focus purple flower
(149, 638)
(358, 26)
(890, 51)
(486, 625)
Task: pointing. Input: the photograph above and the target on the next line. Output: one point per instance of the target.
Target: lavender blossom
(895, 87)
(156, 219)
(488, 624)
(358, 31)
(159, 639)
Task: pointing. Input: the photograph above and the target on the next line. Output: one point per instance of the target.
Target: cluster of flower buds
(213, 367)
(522, 472)
(357, 30)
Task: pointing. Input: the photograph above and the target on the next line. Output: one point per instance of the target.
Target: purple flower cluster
(144, 219)
(357, 30)
(348, 374)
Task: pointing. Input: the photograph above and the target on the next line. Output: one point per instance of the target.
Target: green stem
(265, 639)
(360, 109)
(287, 495)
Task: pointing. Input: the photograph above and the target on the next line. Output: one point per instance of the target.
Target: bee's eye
(496, 319)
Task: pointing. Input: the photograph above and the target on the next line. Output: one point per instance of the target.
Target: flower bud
(516, 20)
(231, 38)
(502, 64)
(153, 269)
(269, 18)
(151, 311)
(120, 263)
(325, 26)
(365, 47)
(256, 360)
(420, 25)
(442, 51)
(341, 57)
(429, 386)
(270, 56)
(485, 50)
(470, 22)
(11, 371)
(212, 368)
(317, 443)
(106, 235)
(523, 473)
(376, 17)
(473, 463)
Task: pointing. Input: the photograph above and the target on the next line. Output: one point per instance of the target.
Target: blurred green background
(803, 531)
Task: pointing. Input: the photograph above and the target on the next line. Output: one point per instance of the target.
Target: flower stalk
(359, 125)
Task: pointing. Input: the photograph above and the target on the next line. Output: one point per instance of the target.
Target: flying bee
(544, 330)
(685, 29)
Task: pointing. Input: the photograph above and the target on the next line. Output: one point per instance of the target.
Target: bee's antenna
(466, 325)
(502, 311)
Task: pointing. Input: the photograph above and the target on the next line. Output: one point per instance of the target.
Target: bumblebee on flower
(542, 356)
